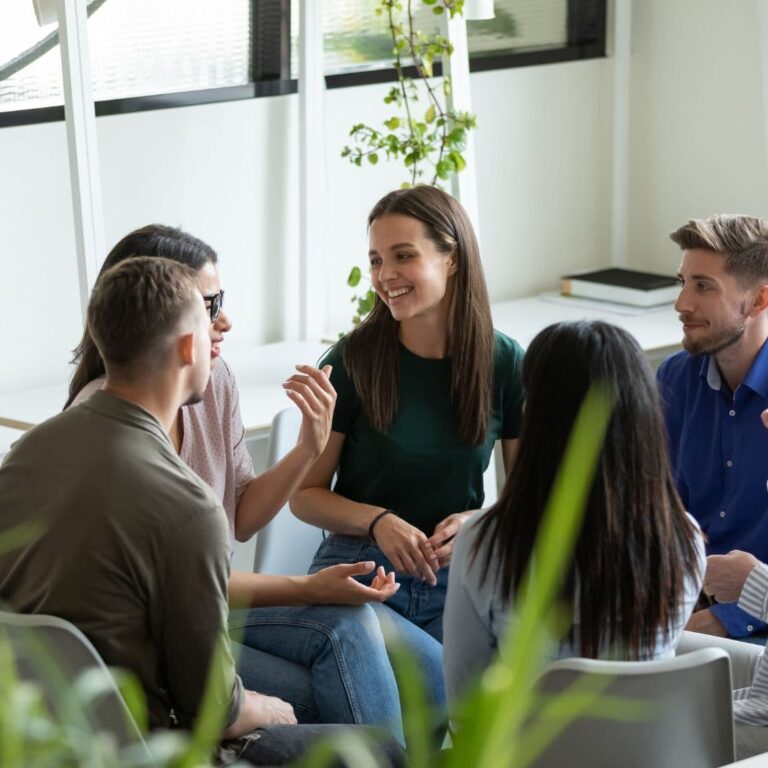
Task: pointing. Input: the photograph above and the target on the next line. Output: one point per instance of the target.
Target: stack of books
(622, 286)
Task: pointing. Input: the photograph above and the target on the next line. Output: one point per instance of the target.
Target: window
(137, 47)
(523, 32)
(156, 53)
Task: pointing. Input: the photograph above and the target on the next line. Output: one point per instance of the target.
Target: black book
(623, 286)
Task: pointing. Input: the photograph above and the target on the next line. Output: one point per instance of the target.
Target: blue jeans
(328, 661)
(415, 611)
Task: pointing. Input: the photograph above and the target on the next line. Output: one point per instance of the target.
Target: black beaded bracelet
(376, 520)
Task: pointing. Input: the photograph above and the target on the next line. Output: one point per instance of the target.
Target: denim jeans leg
(264, 673)
(428, 605)
(427, 652)
(403, 610)
(342, 647)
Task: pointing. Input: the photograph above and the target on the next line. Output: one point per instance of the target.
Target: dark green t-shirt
(419, 467)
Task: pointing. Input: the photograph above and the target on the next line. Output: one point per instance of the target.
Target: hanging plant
(425, 134)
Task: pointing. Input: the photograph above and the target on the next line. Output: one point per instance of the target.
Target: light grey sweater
(476, 617)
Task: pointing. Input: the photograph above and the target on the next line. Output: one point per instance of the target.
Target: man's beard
(716, 342)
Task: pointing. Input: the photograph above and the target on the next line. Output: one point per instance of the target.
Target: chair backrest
(493, 477)
(686, 721)
(52, 653)
(286, 545)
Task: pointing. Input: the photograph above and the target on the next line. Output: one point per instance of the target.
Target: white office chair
(52, 654)
(687, 720)
(286, 545)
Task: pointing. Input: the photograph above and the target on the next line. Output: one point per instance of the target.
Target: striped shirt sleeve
(750, 705)
(754, 594)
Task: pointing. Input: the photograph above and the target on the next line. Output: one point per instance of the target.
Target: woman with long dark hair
(425, 387)
(637, 567)
(299, 642)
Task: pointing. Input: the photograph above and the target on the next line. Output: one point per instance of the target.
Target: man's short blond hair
(742, 240)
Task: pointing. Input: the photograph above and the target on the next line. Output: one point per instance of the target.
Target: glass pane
(37, 75)
(520, 25)
(138, 48)
(356, 39)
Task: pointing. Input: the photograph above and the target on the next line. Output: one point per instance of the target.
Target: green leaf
(458, 160)
(438, 10)
(365, 303)
(393, 123)
(429, 115)
(354, 277)
(373, 158)
(457, 136)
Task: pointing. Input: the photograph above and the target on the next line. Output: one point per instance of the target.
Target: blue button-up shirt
(719, 451)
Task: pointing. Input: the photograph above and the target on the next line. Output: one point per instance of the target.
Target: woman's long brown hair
(151, 240)
(637, 545)
(371, 351)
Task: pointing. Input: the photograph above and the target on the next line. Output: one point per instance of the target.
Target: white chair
(687, 721)
(286, 545)
(52, 653)
(494, 477)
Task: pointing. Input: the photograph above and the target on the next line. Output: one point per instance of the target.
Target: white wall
(543, 177)
(228, 173)
(698, 131)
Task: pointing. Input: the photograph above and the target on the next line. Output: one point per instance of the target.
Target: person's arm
(468, 643)
(726, 576)
(726, 580)
(316, 504)
(754, 596)
(440, 543)
(335, 585)
(734, 621)
(265, 495)
(509, 449)
(257, 711)
(190, 617)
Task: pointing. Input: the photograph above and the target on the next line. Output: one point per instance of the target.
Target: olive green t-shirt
(134, 551)
(419, 467)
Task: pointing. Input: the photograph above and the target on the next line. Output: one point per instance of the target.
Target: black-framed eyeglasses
(214, 303)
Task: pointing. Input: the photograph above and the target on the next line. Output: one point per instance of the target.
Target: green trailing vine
(432, 136)
(426, 134)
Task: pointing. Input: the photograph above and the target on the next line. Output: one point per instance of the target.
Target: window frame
(270, 66)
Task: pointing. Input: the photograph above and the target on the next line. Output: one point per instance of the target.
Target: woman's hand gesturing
(313, 393)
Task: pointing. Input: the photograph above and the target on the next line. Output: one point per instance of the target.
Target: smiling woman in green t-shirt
(425, 387)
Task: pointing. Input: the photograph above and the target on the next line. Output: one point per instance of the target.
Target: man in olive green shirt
(134, 546)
